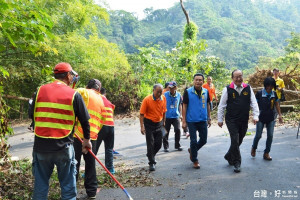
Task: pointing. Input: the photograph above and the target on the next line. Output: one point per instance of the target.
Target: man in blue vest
(237, 98)
(174, 110)
(196, 115)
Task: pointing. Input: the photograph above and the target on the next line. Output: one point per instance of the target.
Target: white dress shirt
(223, 103)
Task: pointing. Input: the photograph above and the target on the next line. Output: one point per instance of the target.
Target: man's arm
(222, 106)
(208, 115)
(254, 106)
(184, 108)
(143, 131)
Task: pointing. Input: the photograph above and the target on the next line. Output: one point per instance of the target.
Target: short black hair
(92, 84)
(157, 85)
(269, 81)
(235, 71)
(199, 74)
(103, 90)
(61, 76)
(167, 84)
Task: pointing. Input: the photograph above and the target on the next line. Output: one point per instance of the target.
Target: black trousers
(153, 139)
(237, 131)
(176, 124)
(107, 134)
(90, 178)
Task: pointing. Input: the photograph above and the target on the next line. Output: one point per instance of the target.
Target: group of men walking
(58, 112)
(159, 111)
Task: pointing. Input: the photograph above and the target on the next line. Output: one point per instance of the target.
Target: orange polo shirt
(154, 109)
(211, 90)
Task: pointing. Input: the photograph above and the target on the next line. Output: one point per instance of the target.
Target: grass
(16, 180)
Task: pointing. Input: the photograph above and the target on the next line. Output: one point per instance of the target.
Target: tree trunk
(185, 13)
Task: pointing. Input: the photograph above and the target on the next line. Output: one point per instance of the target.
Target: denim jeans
(259, 130)
(107, 134)
(42, 168)
(201, 127)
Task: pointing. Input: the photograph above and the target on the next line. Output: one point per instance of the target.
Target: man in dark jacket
(237, 98)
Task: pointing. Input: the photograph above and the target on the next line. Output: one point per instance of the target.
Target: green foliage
(238, 32)
(190, 32)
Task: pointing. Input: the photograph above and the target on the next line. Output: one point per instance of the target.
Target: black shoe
(179, 149)
(152, 167)
(229, 161)
(237, 168)
(166, 150)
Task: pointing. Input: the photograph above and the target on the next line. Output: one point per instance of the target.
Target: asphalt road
(259, 179)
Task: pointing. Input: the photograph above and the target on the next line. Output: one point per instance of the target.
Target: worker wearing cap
(152, 119)
(56, 106)
(94, 103)
(174, 110)
(107, 132)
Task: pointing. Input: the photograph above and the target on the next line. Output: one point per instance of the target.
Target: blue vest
(197, 106)
(173, 104)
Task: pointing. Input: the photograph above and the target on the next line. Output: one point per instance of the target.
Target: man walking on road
(211, 90)
(95, 106)
(56, 106)
(152, 119)
(174, 110)
(237, 98)
(196, 115)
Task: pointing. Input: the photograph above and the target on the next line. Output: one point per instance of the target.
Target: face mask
(75, 79)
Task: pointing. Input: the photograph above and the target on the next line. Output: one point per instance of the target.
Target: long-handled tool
(128, 195)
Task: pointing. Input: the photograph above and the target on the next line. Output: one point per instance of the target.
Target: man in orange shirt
(152, 119)
(211, 90)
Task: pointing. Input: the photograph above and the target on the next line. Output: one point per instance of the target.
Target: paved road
(277, 179)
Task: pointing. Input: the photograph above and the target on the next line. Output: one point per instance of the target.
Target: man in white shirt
(237, 98)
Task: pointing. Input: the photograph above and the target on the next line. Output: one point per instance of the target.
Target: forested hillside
(236, 31)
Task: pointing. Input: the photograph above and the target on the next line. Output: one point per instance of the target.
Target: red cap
(62, 68)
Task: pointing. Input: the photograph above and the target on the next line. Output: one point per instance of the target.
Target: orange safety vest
(109, 112)
(53, 111)
(95, 106)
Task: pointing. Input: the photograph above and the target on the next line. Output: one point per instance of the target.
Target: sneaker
(115, 152)
(166, 150)
(112, 171)
(92, 197)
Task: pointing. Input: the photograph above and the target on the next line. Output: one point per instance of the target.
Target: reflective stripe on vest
(54, 113)
(94, 109)
(108, 114)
